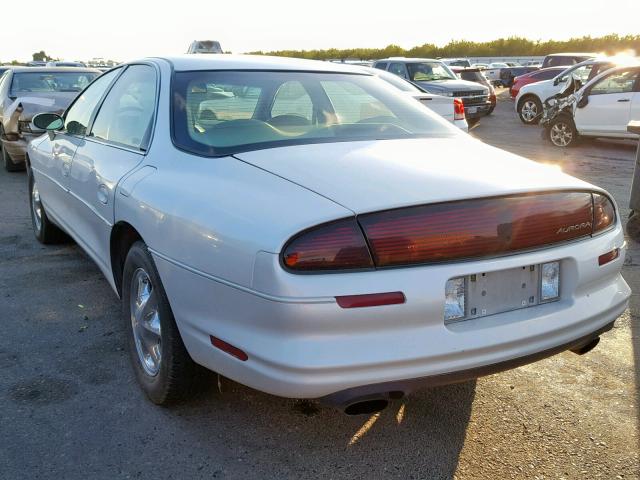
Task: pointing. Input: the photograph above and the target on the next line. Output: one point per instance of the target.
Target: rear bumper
(405, 387)
(301, 344)
(475, 110)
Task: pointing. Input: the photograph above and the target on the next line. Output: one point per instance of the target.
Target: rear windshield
(25, 82)
(224, 112)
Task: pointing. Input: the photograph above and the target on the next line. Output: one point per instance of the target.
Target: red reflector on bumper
(228, 348)
(370, 300)
(608, 257)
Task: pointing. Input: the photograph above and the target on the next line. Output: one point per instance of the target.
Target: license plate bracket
(490, 293)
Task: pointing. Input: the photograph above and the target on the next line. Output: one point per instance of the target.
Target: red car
(532, 77)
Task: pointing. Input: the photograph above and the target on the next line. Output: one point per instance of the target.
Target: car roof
(54, 69)
(573, 54)
(408, 60)
(190, 62)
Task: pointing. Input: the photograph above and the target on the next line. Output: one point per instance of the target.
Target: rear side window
(381, 65)
(126, 114)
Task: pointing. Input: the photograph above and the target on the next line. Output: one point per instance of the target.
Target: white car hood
(378, 175)
(536, 87)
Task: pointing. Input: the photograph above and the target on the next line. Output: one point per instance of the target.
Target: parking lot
(70, 407)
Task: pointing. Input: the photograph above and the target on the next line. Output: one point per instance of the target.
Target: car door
(116, 143)
(608, 105)
(51, 162)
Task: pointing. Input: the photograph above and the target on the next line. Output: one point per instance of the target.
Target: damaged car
(25, 91)
(600, 109)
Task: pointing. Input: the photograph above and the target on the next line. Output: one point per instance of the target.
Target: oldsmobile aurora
(306, 229)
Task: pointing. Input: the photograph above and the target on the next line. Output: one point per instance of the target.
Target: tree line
(502, 47)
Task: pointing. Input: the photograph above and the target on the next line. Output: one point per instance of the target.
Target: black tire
(44, 230)
(562, 132)
(530, 110)
(490, 111)
(9, 166)
(177, 376)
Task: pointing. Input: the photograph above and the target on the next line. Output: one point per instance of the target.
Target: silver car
(308, 230)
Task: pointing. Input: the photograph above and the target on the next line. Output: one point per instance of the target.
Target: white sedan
(306, 229)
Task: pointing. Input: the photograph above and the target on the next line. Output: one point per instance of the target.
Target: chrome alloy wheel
(561, 134)
(529, 111)
(145, 322)
(36, 206)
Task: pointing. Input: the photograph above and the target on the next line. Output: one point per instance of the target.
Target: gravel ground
(69, 407)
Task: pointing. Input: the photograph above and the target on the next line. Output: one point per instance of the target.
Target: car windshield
(398, 82)
(224, 112)
(24, 82)
(429, 71)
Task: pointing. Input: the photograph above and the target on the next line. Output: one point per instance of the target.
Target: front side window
(429, 71)
(126, 115)
(77, 118)
(619, 82)
(224, 112)
(39, 82)
(398, 69)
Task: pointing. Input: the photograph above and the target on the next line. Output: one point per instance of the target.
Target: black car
(508, 74)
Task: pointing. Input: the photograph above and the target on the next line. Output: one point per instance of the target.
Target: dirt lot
(69, 407)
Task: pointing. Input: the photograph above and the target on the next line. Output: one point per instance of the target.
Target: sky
(127, 29)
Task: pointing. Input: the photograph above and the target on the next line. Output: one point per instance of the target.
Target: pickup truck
(435, 77)
(451, 109)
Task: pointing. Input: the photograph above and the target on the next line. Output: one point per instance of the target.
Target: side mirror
(556, 81)
(49, 122)
(584, 100)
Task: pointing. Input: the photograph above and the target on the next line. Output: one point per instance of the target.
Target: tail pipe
(586, 347)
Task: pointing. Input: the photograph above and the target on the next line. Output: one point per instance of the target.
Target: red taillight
(458, 109)
(604, 215)
(228, 348)
(608, 257)
(370, 300)
(334, 246)
(475, 228)
(450, 231)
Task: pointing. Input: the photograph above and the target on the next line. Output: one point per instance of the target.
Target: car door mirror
(584, 100)
(48, 121)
